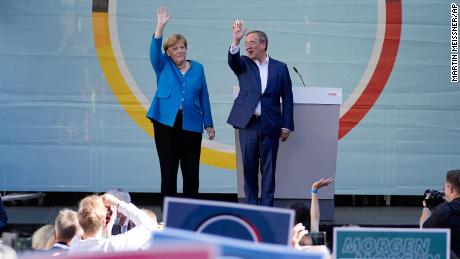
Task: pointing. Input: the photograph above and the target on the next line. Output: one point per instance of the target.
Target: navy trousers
(258, 147)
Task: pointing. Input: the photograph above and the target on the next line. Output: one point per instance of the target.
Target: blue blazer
(278, 86)
(175, 89)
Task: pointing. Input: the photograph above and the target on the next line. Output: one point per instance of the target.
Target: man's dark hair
(262, 37)
(453, 177)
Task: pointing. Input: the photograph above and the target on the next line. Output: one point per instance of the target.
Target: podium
(309, 154)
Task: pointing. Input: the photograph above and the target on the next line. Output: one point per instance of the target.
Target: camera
(433, 198)
(318, 238)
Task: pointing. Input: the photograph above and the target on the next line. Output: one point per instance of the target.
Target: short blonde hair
(66, 225)
(43, 238)
(173, 40)
(91, 214)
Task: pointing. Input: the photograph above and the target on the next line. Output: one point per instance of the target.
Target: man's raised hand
(238, 31)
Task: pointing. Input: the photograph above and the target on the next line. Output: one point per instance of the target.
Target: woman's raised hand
(162, 16)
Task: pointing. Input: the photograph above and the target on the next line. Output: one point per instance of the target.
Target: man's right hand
(238, 32)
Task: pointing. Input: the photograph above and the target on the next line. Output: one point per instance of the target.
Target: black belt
(256, 117)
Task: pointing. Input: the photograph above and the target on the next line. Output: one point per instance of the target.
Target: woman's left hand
(211, 132)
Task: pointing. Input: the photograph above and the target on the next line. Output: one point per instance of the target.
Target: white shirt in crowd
(132, 240)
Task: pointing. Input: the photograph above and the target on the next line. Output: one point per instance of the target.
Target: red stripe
(382, 71)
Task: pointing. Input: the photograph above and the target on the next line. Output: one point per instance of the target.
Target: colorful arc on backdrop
(214, 154)
(382, 61)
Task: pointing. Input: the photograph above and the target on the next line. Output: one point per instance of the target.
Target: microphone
(297, 72)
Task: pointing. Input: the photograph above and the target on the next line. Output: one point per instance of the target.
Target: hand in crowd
(211, 133)
(238, 31)
(111, 202)
(298, 231)
(321, 183)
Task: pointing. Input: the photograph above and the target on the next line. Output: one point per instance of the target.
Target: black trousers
(175, 147)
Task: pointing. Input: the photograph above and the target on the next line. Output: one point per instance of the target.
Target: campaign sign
(242, 221)
(230, 247)
(391, 243)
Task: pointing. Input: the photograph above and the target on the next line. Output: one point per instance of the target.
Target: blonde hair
(66, 225)
(173, 40)
(43, 238)
(91, 214)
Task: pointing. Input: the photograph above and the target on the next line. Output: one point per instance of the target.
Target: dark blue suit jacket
(278, 86)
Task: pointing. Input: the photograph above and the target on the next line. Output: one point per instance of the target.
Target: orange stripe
(382, 71)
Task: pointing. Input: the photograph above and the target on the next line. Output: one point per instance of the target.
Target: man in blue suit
(257, 111)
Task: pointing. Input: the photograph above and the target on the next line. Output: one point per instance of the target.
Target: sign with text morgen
(391, 243)
(255, 223)
(230, 247)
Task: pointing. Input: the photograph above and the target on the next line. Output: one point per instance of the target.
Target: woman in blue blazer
(179, 111)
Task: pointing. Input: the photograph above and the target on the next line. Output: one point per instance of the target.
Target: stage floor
(378, 216)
